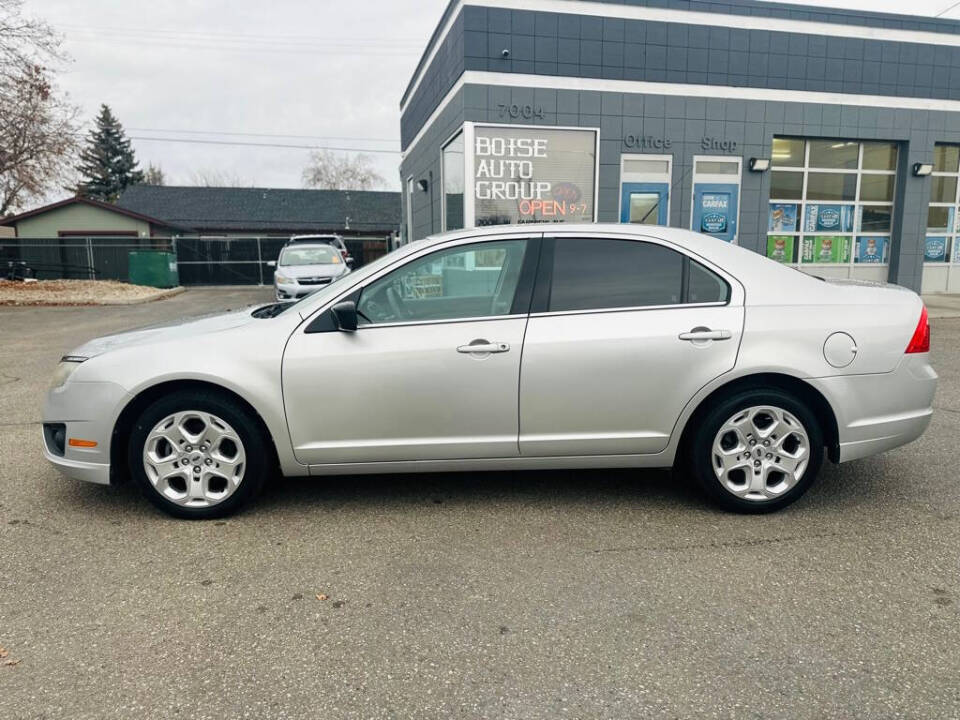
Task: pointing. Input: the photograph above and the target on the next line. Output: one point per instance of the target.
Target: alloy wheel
(194, 459)
(760, 453)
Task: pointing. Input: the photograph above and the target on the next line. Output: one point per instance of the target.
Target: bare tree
(38, 135)
(207, 177)
(328, 170)
(153, 175)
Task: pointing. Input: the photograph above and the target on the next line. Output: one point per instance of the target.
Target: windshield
(325, 255)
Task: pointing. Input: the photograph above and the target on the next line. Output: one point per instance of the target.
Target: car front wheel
(756, 451)
(198, 455)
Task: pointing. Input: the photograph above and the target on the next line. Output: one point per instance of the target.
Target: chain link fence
(228, 260)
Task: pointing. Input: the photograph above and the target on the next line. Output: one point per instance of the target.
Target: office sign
(533, 175)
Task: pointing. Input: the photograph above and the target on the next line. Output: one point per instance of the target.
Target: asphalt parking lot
(613, 594)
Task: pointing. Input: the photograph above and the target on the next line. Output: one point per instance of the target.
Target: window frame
(952, 234)
(857, 204)
(409, 199)
(544, 281)
(460, 133)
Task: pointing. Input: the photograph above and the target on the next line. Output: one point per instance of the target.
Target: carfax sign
(715, 209)
(533, 175)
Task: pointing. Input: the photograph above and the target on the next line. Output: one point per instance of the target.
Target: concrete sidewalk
(942, 306)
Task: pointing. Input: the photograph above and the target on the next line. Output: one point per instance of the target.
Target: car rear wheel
(756, 451)
(198, 455)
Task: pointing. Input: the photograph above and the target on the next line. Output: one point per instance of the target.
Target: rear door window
(604, 273)
(599, 273)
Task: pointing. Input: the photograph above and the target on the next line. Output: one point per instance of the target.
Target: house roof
(14, 219)
(266, 209)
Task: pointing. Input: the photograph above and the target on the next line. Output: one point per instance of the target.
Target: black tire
(259, 461)
(697, 456)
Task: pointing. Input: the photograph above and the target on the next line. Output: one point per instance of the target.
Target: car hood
(178, 329)
(299, 271)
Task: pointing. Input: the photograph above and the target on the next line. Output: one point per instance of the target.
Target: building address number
(515, 111)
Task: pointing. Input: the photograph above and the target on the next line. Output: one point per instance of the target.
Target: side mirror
(345, 314)
(350, 262)
(271, 263)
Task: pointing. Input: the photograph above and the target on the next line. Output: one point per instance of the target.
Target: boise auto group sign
(533, 175)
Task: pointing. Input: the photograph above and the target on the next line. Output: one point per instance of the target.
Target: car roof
(308, 246)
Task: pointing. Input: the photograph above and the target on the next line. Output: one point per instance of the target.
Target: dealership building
(823, 138)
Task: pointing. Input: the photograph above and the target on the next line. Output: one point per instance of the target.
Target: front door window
(468, 281)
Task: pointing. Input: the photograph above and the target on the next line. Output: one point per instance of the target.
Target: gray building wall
(548, 43)
(553, 44)
(423, 163)
(752, 126)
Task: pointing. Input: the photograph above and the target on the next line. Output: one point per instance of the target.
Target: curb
(162, 295)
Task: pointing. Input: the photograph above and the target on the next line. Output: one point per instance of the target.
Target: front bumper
(89, 411)
(879, 412)
(294, 291)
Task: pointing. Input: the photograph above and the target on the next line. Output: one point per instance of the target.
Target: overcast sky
(289, 72)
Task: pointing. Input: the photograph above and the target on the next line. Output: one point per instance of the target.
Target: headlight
(283, 279)
(65, 370)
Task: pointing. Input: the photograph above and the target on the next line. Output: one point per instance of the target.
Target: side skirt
(573, 462)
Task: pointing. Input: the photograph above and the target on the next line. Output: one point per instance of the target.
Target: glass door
(644, 203)
(716, 196)
(645, 189)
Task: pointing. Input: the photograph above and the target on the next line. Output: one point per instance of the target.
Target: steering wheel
(395, 304)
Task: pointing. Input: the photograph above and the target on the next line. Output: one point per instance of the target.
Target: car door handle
(484, 347)
(706, 334)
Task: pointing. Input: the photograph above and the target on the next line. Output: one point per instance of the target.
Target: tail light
(920, 342)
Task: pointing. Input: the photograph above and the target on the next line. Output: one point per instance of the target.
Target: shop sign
(935, 249)
(870, 249)
(533, 175)
(715, 209)
(780, 248)
(721, 144)
(826, 249)
(828, 218)
(783, 218)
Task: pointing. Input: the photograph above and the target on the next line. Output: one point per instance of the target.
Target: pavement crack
(722, 544)
(8, 379)
(946, 409)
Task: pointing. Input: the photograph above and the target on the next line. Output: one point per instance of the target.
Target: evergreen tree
(107, 163)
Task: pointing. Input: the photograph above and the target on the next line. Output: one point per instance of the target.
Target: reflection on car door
(432, 373)
(622, 333)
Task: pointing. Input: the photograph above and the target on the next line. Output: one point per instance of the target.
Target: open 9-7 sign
(534, 175)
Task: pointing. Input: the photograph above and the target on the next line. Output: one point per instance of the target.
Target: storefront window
(831, 201)
(453, 174)
(788, 152)
(942, 214)
(533, 174)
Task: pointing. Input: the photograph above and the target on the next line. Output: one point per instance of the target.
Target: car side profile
(572, 346)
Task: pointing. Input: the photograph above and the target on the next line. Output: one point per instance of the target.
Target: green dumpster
(156, 268)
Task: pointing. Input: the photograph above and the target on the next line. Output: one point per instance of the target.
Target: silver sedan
(592, 346)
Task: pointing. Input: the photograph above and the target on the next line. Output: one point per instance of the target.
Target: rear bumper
(876, 413)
